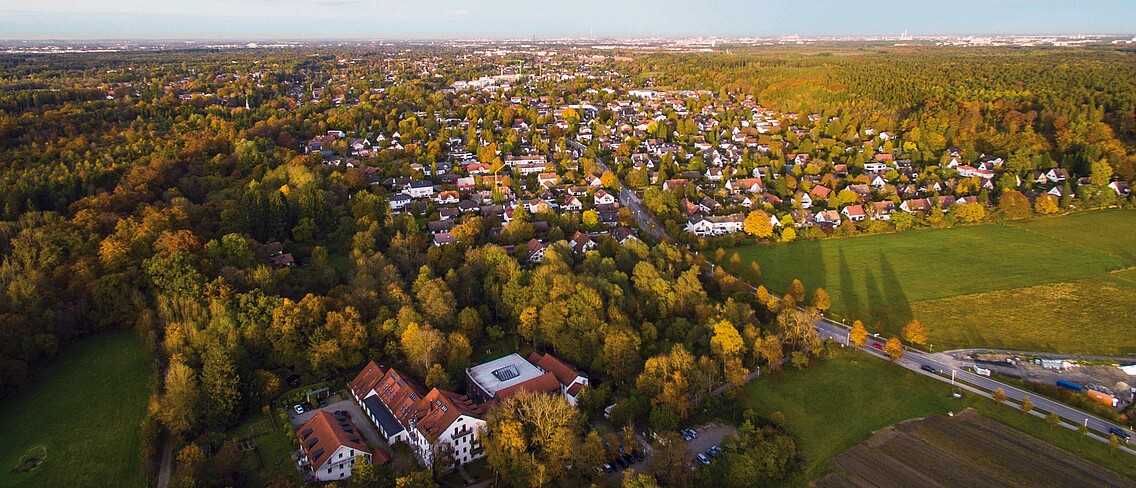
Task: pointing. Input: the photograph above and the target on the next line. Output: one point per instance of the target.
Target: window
(329, 469)
(352, 453)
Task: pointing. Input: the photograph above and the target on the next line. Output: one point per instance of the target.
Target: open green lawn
(886, 280)
(86, 409)
(272, 458)
(838, 403)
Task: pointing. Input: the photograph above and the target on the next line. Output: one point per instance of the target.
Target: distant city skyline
(447, 19)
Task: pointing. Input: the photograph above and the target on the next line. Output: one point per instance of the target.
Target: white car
(299, 408)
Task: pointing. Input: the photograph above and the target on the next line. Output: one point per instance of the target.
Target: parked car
(714, 451)
(322, 402)
(621, 463)
(702, 459)
(299, 408)
(637, 455)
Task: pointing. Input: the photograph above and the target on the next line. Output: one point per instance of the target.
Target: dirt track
(967, 450)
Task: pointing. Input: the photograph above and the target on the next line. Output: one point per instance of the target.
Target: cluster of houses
(433, 422)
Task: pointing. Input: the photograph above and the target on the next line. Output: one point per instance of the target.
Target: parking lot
(710, 434)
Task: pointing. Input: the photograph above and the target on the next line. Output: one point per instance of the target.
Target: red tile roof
(323, 434)
(563, 372)
(546, 383)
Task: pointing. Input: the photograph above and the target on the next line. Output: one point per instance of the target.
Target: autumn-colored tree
(762, 295)
(1026, 405)
(894, 349)
(422, 345)
(999, 395)
(914, 332)
(797, 290)
(719, 255)
(788, 234)
(821, 300)
(970, 213)
(757, 224)
(178, 407)
(1101, 173)
(772, 350)
(1014, 205)
(534, 438)
(590, 219)
(1046, 204)
(735, 261)
(1053, 420)
(858, 335)
(437, 377)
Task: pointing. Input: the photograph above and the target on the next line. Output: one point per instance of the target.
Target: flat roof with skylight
(502, 373)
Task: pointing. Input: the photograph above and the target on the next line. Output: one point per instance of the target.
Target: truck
(1104, 398)
(1069, 385)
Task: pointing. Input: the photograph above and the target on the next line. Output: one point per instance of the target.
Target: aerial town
(880, 260)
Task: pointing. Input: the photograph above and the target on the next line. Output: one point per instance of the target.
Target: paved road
(628, 199)
(958, 353)
(912, 359)
(915, 360)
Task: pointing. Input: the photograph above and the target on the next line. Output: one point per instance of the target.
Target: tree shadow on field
(894, 304)
(853, 309)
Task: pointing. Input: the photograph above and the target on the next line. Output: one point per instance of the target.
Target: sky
(447, 19)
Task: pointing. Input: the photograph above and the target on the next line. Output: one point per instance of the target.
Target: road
(628, 199)
(915, 360)
(958, 353)
(912, 359)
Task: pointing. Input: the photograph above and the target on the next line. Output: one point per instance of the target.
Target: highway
(915, 360)
(912, 359)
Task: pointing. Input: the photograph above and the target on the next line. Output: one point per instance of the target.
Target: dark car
(629, 459)
(928, 368)
(322, 402)
(1119, 433)
(637, 455)
(621, 463)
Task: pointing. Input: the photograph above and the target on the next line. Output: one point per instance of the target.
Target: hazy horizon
(449, 19)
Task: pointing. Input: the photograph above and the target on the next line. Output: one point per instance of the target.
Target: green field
(86, 409)
(838, 403)
(958, 281)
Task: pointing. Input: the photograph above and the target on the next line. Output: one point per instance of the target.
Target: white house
(602, 197)
(419, 189)
(330, 445)
(701, 225)
(430, 422)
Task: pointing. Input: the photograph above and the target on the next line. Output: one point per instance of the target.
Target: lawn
(838, 403)
(886, 280)
(272, 458)
(86, 409)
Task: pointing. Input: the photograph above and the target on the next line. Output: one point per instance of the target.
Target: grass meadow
(1053, 284)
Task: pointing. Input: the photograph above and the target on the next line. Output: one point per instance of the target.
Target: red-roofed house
(571, 380)
(429, 421)
(330, 445)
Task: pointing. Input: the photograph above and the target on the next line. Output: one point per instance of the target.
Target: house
(827, 217)
(330, 444)
(466, 183)
(419, 189)
(428, 421)
(805, 199)
(820, 192)
(399, 200)
(714, 174)
(709, 205)
(448, 213)
(875, 167)
(854, 213)
(443, 238)
(749, 185)
(701, 225)
(915, 205)
(1057, 175)
(439, 226)
(534, 251)
(676, 185)
(284, 260)
(507, 376)
(572, 204)
(879, 183)
(581, 243)
(602, 197)
(447, 197)
(1121, 188)
(571, 381)
(622, 234)
(547, 179)
(882, 210)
